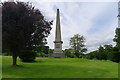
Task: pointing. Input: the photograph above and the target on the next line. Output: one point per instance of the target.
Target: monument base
(57, 55)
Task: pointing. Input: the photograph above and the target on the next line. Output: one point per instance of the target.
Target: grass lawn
(60, 68)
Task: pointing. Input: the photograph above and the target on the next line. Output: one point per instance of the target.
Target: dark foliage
(117, 38)
(115, 55)
(42, 51)
(101, 54)
(69, 53)
(27, 56)
(105, 53)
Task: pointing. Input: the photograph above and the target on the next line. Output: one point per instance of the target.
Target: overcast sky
(96, 21)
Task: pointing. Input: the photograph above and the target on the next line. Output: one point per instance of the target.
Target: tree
(108, 47)
(23, 27)
(42, 51)
(108, 50)
(50, 52)
(117, 38)
(101, 55)
(69, 53)
(77, 43)
(115, 55)
(116, 49)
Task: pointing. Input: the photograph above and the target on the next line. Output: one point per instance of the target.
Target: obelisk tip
(57, 9)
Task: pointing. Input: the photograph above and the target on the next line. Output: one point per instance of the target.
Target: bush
(115, 57)
(69, 53)
(41, 54)
(27, 56)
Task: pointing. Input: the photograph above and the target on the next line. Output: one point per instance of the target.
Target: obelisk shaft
(58, 29)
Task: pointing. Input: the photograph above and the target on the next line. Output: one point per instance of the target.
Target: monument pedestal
(58, 54)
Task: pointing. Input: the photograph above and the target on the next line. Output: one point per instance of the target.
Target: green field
(60, 68)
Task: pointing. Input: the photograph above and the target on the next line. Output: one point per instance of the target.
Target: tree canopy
(77, 42)
(117, 38)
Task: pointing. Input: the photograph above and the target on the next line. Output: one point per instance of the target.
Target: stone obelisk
(58, 53)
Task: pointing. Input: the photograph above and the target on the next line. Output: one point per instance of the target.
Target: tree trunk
(14, 57)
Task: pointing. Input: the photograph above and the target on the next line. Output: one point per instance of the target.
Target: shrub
(27, 56)
(115, 56)
(41, 54)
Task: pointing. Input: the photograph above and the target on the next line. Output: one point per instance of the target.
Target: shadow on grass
(36, 61)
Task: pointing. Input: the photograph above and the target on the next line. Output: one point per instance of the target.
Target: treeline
(106, 52)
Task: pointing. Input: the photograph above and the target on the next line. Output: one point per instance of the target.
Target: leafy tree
(45, 49)
(69, 53)
(23, 27)
(107, 50)
(50, 52)
(117, 38)
(42, 51)
(77, 44)
(108, 47)
(115, 55)
(101, 54)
